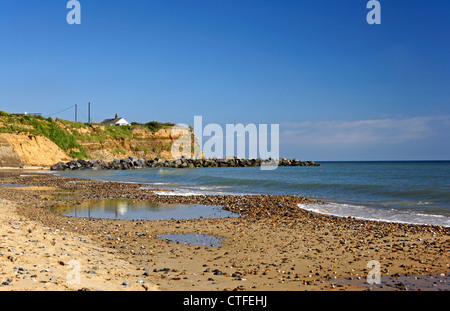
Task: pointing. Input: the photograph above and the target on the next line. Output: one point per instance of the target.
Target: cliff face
(139, 143)
(18, 150)
(35, 141)
(8, 157)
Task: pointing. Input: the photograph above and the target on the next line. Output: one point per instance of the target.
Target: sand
(274, 246)
(40, 258)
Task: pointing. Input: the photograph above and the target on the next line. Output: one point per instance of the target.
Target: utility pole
(89, 112)
(76, 112)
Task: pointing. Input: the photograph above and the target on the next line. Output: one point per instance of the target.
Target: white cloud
(387, 130)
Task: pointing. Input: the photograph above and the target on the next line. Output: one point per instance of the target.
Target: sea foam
(377, 214)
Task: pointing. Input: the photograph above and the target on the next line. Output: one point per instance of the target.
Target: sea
(416, 192)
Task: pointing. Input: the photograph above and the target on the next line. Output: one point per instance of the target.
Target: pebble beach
(274, 245)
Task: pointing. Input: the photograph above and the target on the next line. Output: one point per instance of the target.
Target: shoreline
(370, 211)
(277, 246)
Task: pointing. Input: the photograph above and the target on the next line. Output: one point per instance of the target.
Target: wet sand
(273, 246)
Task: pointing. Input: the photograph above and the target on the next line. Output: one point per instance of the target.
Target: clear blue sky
(339, 88)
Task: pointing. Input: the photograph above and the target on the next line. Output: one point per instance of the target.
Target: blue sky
(339, 88)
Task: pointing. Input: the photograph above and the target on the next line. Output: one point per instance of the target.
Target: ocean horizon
(416, 192)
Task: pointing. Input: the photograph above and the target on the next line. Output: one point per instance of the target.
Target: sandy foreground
(276, 246)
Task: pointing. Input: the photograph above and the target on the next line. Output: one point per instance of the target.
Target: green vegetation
(116, 132)
(44, 127)
(118, 151)
(68, 135)
(154, 126)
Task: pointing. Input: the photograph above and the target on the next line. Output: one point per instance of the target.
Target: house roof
(114, 121)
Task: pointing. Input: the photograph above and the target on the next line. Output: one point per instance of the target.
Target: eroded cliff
(36, 141)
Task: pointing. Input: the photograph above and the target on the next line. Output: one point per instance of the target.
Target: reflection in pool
(132, 210)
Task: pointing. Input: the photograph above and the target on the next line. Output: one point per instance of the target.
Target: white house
(116, 121)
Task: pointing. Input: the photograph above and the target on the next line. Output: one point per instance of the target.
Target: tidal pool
(141, 210)
(15, 185)
(192, 239)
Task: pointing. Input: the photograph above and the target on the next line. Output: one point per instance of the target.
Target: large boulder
(60, 166)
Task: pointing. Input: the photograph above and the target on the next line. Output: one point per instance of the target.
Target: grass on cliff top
(66, 134)
(45, 127)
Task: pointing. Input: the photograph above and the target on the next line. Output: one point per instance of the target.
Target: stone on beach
(275, 246)
(133, 163)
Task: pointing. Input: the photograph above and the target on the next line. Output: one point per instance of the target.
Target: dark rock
(60, 166)
(183, 162)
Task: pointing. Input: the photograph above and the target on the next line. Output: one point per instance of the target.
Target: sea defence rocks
(134, 163)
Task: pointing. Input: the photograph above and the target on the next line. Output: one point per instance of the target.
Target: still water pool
(134, 210)
(193, 239)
